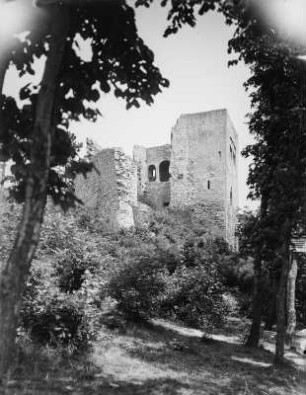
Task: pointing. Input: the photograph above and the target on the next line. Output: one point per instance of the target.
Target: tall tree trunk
(15, 273)
(281, 296)
(290, 301)
(254, 335)
(271, 310)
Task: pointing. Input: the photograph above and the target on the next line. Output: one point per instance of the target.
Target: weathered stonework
(156, 189)
(204, 165)
(110, 189)
(198, 170)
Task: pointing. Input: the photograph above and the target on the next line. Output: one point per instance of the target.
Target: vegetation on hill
(92, 294)
(168, 268)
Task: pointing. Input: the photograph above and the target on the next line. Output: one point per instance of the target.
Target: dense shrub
(139, 287)
(177, 280)
(196, 294)
(58, 320)
(52, 317)
(71, 265)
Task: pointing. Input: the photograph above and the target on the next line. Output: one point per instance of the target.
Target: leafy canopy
(120, 63)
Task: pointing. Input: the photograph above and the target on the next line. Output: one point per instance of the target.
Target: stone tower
(203, 168)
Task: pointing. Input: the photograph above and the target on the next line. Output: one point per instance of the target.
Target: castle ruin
(198, 169)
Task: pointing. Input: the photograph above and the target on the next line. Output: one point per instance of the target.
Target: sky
(195, 62)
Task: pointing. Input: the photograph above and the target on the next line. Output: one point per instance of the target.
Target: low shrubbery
(139, 287)
(181, 278)
(197, 299)
(54, 318)
(86, 276)
(58, 319)
(71, 265)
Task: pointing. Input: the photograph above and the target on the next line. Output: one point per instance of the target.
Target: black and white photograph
(152, 197)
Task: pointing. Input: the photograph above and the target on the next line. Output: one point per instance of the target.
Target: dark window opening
(231, 197)
(152, 173)
(208, 184)
(164, 174)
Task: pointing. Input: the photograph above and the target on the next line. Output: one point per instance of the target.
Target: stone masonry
(111, 188)
(153, 174)
(198, 170)
(204, 167)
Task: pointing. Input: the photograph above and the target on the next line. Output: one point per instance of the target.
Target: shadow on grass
(155, 360)
(217, 367)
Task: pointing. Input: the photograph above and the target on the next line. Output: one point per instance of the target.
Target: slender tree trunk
(281, 297)
(290, 302)
(14, 275)
(254, 335)
(271, 310)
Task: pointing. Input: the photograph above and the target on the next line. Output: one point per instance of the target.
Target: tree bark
(15, 273)
(281, 297)
(290, 301)
(254, 335)
(271, 310)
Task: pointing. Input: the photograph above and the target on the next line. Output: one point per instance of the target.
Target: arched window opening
(152, 173)
(164, 174)
(231, 196)
(208, 184)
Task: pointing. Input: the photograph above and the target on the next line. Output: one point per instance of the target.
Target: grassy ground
(160, 359)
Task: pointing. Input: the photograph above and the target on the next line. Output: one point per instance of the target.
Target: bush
(51, 317)
(180, 281)
(139, 287)
(58, 320)
(71, 265)
(196, 298)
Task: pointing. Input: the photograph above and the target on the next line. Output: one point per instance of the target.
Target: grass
(157, 359)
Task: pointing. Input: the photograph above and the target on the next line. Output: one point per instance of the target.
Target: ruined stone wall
(140, 159)
(111, 189)
(212, 216)
(150, 186)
